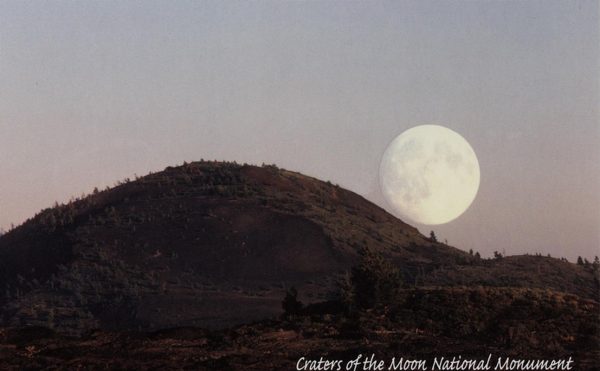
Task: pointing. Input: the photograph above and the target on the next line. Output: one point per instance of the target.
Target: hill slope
(214, 244)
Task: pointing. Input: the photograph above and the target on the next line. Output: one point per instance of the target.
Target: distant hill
(214, 244)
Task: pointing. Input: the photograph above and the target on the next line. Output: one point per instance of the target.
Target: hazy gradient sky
(93, 92)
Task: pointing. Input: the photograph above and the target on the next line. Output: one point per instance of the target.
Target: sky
(92, 92)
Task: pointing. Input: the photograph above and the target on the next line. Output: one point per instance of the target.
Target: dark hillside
(206, 244)
(214, 244)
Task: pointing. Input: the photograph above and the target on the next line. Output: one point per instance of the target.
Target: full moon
(429, 174)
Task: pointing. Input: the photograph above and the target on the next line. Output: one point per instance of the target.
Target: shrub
(374, 281)
(290, 304)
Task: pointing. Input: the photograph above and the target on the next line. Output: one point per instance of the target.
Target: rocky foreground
(426, 323)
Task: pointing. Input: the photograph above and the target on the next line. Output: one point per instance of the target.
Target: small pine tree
(579, 260)
(432, 236)
(471, 252)
(290, 304)
(477, 255)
